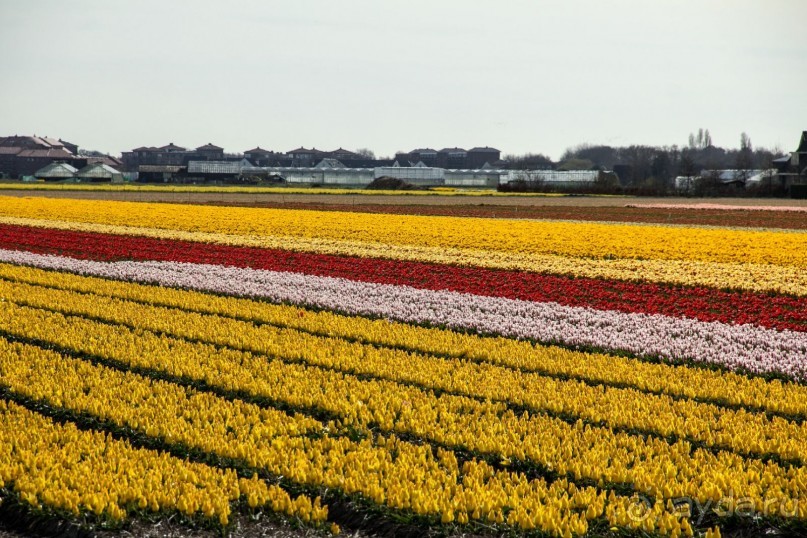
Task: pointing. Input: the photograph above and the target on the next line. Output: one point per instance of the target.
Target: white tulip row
(744, 347)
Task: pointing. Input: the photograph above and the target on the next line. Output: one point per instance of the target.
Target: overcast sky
(536, 76)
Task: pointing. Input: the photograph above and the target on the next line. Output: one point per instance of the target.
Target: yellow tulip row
(384, 470)
(680, 381)
(653, 466)
(155, 397)
(128, 187)
(737, 430)
(742, 275)
(575, 239)
(64, 468)
(240, 372)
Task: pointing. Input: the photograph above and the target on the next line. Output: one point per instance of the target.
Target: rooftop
(802, 143)
(172, 147)
(258, 149)
(329, 163)
(56, 170)
(52, 142)
(209, 147)
(55, 153)
(98, 170)
(344, 151)
(312, 151)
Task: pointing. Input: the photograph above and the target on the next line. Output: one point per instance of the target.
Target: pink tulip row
(727, 207)
(744, 347)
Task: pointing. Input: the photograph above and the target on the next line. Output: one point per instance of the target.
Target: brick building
(450, 158)
(23, 155)
(169, 155)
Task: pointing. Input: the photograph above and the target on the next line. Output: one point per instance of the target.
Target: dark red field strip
(706, 304)
(696, 217)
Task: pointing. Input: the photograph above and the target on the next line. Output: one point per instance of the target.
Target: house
(451, 158)
(24, 155)
(342, 154)
(478, 157)
(152, 156)
(305, 157)
(210, 152)
(8, 160)
(264, 157)
(426, 156)
(792, 169)
(31, 160)
(172, 148)
(169, 155)
(259, 156)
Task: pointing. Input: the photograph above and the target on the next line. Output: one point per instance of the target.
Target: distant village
(33, 158)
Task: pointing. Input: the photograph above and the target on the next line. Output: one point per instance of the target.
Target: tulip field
(390, 373)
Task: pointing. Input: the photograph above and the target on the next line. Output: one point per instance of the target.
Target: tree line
(653, 169)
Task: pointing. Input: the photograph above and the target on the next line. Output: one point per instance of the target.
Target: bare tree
(702, 141)
(367, 153)
(687, 166)
(745, 142)
(745, 158)
(528, 161)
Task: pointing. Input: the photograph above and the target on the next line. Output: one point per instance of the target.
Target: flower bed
(451, 375)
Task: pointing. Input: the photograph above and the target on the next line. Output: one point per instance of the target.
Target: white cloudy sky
(519, 75)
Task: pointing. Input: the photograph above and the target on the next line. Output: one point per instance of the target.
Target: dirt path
(699, 217)
(404, 200)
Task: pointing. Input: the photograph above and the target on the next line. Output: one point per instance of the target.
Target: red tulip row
(705, 304)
